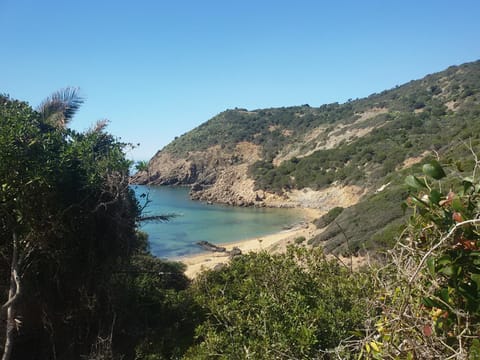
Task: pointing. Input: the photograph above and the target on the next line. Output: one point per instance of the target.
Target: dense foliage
(76, 278)
(354, 228)
(295, 305)
(327, 218)
(156, 315)
(264, 127)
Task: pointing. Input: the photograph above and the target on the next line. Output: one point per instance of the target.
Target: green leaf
(435, 196)
(443, 294)
(457, 204)
(429, 302)
(418, 201)
(468, 291)
(414, 182)
(474, 351)
(467, 184)
(448, 270)
(476, 279)
(459, 166)
(431, 265)
(434, 170)
(444, 260)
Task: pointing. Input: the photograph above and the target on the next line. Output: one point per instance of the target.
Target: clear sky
(156, 69)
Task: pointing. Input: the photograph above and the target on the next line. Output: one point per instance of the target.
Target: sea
(195, 221)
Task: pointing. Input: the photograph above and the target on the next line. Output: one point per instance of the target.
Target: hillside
(349, 155)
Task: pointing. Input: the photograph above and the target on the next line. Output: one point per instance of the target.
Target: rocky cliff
(221, 175)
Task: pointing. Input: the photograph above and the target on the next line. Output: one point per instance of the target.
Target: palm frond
(60, 107)
(99, 126)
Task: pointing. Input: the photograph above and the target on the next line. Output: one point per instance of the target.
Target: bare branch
(11, 301)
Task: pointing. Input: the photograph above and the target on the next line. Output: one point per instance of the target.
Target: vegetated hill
(276, 156)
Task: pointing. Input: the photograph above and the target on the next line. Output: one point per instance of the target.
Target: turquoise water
(196, 221)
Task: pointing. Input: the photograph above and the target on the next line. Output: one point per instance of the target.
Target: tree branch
(437, 245)
(17, 292)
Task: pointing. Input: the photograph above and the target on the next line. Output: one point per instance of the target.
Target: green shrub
(263, 306)
(354, 227)
(330, 216)
(300, 240)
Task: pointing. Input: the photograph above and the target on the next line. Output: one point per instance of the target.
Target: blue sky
(157, 69)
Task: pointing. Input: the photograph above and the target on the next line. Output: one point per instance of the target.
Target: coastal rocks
(195, 188)
(259, 195)
(219, 267)
(232, 187)
(221, 175)
(196, 167)
(205, 245)
(234, 252)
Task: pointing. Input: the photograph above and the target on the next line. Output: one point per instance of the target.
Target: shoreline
(274, 243)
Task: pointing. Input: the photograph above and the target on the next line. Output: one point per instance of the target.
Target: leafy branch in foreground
(77, 279)
(431, 292)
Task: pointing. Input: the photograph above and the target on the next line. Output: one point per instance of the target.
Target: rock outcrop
(219, 175)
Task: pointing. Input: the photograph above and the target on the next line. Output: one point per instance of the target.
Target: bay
(196, 221)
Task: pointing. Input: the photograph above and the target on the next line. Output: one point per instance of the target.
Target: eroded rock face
(215, 175)
(232, 187)
(221, 176)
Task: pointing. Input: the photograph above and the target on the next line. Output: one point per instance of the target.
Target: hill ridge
(265, 157)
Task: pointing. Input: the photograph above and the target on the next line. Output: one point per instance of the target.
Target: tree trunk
(10, 305)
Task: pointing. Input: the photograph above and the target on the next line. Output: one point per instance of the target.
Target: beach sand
(274, 243)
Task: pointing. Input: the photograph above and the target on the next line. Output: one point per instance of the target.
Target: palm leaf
(60, 107)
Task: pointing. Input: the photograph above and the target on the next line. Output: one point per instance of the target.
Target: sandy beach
(272, 243)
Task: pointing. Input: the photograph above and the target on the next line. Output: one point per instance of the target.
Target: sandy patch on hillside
(413, 160)
(451, 105)
(328, 198)
(317, 139)
(336, 137)
(370, 114)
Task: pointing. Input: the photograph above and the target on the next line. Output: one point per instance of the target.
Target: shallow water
(196, 221)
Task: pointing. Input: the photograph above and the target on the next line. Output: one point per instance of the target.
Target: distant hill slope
(333, 155)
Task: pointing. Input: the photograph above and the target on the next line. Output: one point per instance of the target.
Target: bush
(431, 295)
(300, 240)
(294, 305)
(330, 216)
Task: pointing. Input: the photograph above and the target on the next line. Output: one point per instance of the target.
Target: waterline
(198, 221)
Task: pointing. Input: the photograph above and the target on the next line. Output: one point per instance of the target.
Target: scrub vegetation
(78, 281)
